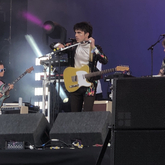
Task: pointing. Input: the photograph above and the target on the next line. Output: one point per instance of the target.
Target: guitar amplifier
(14, 109)
(102, 105)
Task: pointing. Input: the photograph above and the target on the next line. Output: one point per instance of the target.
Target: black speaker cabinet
(138, 147)
(31, 128)
(139, 103)
(138, 121)
(89, 127)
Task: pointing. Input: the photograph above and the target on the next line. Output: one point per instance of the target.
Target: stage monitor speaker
(138, 147)
(28, 128)
(89, 127)
(139, 103)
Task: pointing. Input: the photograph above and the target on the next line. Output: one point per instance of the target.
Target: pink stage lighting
(32, 18)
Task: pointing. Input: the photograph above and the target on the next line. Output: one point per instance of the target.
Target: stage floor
(64, 156)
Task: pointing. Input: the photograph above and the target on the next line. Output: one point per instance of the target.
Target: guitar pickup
(72, 86)
(74, 78)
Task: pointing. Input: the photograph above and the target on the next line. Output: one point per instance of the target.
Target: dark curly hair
(84, 26)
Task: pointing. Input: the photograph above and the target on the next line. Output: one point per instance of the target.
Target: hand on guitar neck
(11, 86)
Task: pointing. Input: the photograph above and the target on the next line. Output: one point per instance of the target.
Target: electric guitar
(74, 78)
(3, 91)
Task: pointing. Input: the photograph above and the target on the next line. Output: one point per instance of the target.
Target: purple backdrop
(124, 28)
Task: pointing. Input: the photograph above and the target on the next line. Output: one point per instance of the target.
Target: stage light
(40, 104)
(39, 91)
(55, 31)
(32, 18)
(38, 60)
(33, 45)
(62, 94)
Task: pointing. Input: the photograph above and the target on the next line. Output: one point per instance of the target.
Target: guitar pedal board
(14, 145)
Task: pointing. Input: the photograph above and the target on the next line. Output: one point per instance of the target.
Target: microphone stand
(152, 48)
(49, 78)
(45, 82)
(62, 49)
(57, 99)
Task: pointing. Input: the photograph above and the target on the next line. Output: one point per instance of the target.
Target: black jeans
(77, 99)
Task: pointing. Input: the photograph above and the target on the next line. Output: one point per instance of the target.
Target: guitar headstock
(122, 68)
(30, 69)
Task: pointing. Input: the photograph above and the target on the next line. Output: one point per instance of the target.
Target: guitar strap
(90, 55)
(2, 81)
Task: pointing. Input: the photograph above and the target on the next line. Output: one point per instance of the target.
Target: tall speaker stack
(138, 120)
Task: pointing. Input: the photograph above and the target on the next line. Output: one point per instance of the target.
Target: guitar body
(4, 96)
(74, 78)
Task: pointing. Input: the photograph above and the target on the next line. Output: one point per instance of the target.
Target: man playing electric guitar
(2, 71)
(4, 91)
(86, 53)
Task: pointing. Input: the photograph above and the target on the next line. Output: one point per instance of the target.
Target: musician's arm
(11, 86)
(102, 58)
(161, 72)
(7, 93)
(1, 86)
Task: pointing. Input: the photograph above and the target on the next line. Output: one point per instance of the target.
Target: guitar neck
(98, 73)
(7, 88)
